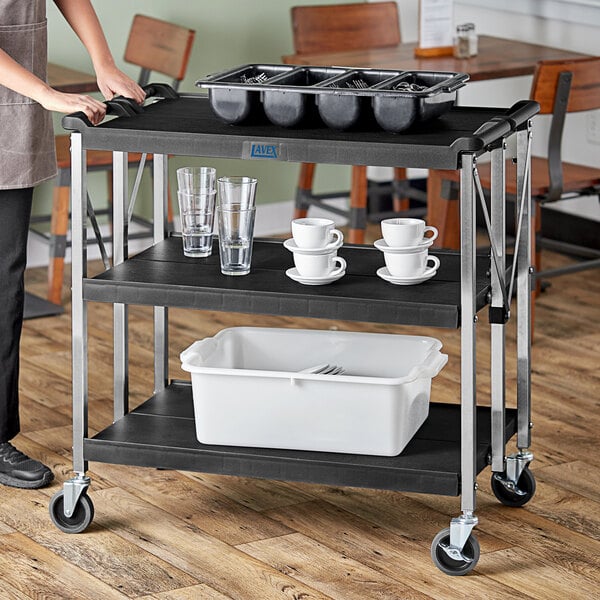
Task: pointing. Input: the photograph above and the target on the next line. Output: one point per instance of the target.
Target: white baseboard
(271, 219)
(276, 218)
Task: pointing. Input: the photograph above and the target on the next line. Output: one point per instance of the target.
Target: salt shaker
(472, 35)
(461, 42)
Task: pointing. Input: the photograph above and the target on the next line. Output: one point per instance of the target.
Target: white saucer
(382, 245)
(292, 247)
(385, 274)
(293, 274)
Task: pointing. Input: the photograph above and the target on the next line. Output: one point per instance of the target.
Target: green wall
(228, 33)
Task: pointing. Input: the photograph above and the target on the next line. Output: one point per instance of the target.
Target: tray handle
(436, 362)
(452, 84)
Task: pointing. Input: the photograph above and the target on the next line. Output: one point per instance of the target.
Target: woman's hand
(113, 82)
(94, 110)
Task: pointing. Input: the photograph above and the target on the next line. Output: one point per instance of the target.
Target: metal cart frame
(454, 550)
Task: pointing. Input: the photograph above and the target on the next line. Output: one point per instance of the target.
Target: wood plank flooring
(171, 535)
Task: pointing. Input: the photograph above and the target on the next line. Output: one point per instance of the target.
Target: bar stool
(560, 87)
(154, 46)
(339, 27)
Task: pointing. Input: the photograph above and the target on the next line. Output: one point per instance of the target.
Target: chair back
(339, 27)
(584, 91)
(560, 87)
(156, 45)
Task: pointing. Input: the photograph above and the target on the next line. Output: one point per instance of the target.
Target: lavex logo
(263, 151)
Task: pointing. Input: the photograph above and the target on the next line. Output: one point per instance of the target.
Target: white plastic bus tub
(248, 391)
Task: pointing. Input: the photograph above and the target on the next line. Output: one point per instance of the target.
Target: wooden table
(64, 79)
(497, 58)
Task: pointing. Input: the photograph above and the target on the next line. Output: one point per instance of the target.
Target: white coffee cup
(399, 232)
(311, 232)
(410, 264)
(319, 265)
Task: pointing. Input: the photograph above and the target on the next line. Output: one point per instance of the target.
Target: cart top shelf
(163, 276)
(186, 125)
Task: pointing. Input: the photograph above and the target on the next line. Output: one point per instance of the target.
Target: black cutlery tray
(342, 97)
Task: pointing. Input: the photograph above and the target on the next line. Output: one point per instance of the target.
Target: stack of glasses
(196, 195)
(235, 212)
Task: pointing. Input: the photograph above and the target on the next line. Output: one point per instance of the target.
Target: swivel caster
(80, 519)
(451, 560)
(514, 495)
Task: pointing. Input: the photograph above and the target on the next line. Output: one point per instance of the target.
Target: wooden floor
(173, 535)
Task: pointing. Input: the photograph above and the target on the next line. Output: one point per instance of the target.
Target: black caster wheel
(526, 486)
(81, 518)
(449, 565)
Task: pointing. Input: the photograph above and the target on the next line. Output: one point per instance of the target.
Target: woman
(26, 159)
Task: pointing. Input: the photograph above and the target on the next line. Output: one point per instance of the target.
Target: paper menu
(436, 18)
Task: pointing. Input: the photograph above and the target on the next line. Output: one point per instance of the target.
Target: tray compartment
(345, 106)
(398, 109)
(237, 97)
(294, 102)
(248, 389)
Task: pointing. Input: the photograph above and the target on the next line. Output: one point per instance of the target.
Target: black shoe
(18, 470)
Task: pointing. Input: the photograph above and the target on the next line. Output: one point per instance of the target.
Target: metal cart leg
(500, 305)
(120, 311)
(71, 509)
(79, 306)
(525, 271)
(468, 322)
(455, 551)
(516, 486)
(161, 315)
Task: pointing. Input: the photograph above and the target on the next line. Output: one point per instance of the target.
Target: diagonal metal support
(496, 252)
(97, 233)
(523, 208)
(136, 187)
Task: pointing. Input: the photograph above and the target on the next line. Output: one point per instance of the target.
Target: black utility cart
(455, 443)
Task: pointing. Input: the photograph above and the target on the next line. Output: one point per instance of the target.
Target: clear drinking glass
(236, 230)
(194, 180)
(237, 191)
(197, 221)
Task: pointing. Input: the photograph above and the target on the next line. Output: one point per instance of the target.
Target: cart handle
(500, 126)
(120, 106)
(160, 90)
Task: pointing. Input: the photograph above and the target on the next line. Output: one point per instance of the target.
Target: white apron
(27, 155)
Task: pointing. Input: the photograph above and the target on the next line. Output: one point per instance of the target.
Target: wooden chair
(560, 87)
(339, 27)
(153, 45)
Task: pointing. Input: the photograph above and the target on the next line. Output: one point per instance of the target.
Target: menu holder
(435, 28)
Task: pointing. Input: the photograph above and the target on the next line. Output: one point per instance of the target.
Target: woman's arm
(111, 81)
(19, 79)
(82, 18)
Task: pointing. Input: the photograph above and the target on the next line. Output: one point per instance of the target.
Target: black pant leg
(15, 211)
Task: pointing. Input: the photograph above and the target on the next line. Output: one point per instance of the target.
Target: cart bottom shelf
(161, 433)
